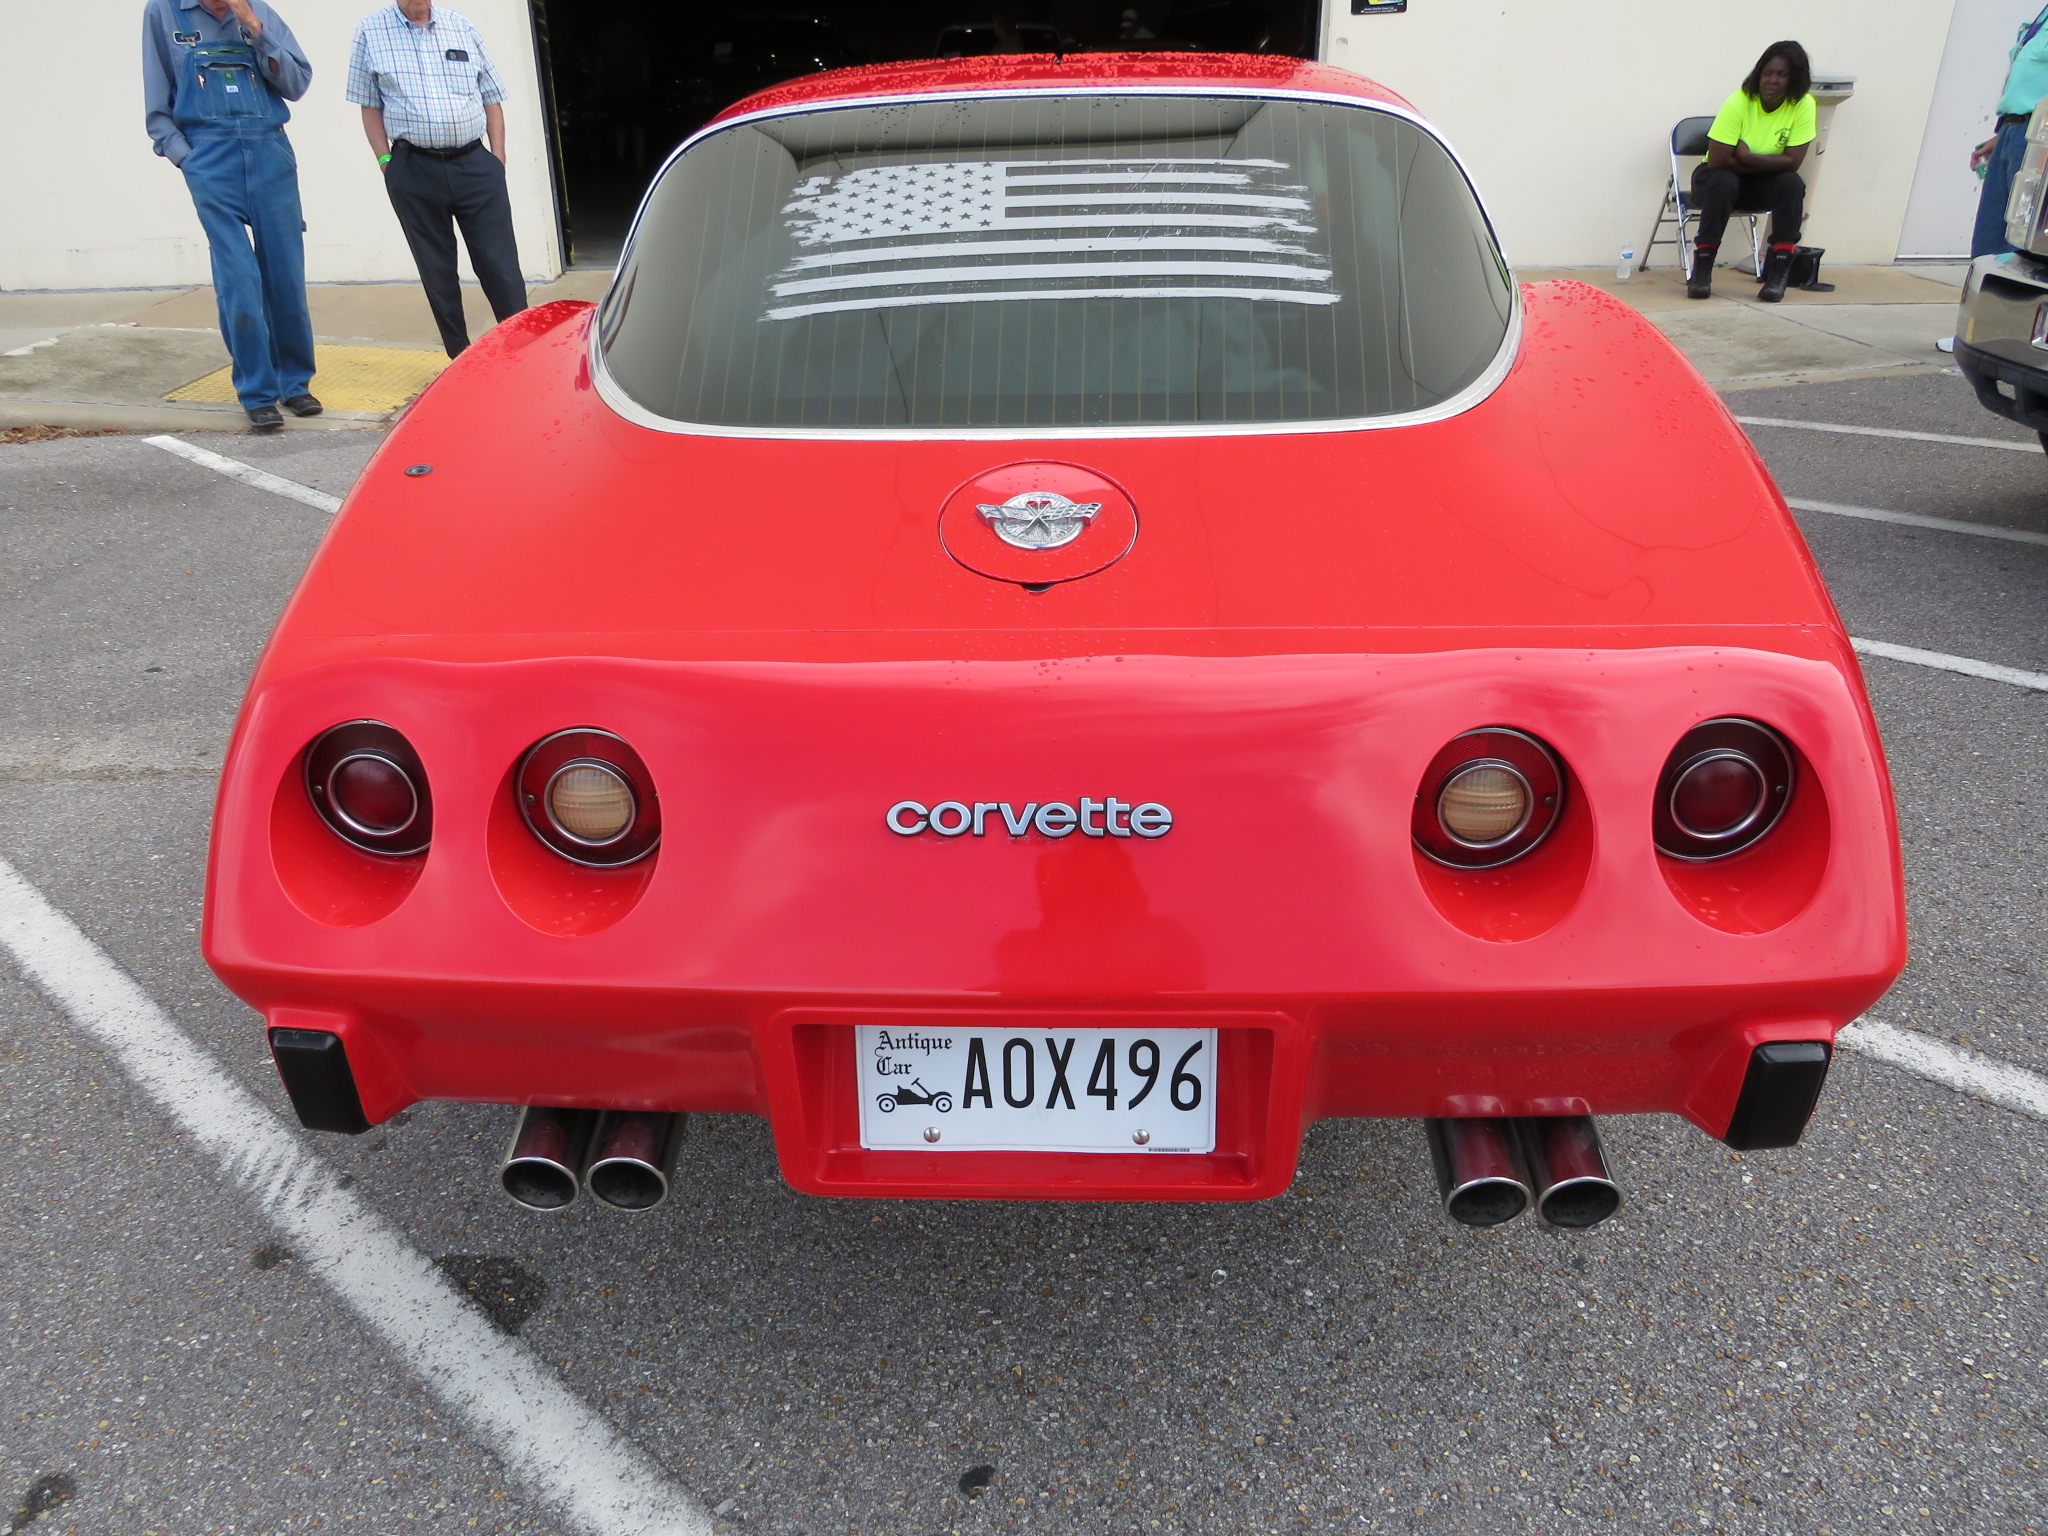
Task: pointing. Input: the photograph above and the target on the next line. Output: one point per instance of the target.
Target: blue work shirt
(431, 82)
(174, 28)
(2026, 82)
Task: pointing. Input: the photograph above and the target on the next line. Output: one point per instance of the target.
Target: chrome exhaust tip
(1479, 1170)
(1574, 1190)
(543, 1166)
(634, 1158)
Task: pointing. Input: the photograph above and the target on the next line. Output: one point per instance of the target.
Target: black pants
(1717, 194)
(431, 196)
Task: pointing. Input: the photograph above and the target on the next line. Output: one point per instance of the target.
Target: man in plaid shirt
(430, 97)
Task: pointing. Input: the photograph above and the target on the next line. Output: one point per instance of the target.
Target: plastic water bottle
(1626, 267)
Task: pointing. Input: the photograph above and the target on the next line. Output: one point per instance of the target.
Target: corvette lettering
(1109, 817)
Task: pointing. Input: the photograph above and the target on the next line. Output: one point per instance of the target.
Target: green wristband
(383, 159)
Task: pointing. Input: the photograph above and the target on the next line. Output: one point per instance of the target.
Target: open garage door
(627, 79)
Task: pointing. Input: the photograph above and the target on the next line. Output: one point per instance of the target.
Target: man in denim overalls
(216, 77)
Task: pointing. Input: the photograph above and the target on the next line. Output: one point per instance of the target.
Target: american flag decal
(959, 232)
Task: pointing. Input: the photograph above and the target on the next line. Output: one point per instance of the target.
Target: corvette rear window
(1057, 262)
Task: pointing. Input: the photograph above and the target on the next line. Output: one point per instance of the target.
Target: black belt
(2014, 117)
(443, 154)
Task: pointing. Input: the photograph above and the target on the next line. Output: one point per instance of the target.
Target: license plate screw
(931, 1133)
(1141, 1137)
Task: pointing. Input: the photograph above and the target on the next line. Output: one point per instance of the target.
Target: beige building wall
(1563, 112)
(86, 203)
(1560, 110)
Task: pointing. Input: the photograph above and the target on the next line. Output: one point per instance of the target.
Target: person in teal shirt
(1754, 150)
(2026, 82)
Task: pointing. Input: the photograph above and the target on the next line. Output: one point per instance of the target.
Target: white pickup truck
(2002, 332)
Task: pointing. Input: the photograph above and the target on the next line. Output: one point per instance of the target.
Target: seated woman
(1754, 151)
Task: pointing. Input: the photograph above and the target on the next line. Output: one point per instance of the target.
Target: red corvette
(1063, 621)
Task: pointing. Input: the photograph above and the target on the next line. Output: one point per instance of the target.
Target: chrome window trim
(623, 405)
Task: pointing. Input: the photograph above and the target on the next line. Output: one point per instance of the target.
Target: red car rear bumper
(1287, 908)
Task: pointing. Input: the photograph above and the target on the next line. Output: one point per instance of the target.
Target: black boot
(1777, 273)
(1699, 282)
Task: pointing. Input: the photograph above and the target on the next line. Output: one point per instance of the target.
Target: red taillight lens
(367, 784)
(1717, 795)
(373, 794)
(587, 795)
(1487, 798)
(1724, 786)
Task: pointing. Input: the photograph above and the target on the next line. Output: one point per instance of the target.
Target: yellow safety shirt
(1743, 120)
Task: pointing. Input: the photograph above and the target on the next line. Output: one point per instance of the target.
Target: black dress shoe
(265, 416)
(1777, 272)
(303, 405)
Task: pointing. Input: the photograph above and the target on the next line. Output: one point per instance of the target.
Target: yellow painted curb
(371, 379)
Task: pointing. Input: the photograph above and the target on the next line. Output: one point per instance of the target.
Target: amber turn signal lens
(591, 802)
(1484, 804)
(588, 796)
(1487, 798)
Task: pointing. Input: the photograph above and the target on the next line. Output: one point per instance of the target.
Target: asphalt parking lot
(1846, 1338)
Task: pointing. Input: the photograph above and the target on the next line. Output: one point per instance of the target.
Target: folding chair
(1689, 141)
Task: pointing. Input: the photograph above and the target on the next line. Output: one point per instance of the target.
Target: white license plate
(944, 1089)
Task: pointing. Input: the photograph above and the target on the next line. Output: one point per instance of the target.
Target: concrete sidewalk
(152, 360)
(114, 359)
(1877, 320)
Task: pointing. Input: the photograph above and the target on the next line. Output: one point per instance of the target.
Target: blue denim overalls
(242, 172)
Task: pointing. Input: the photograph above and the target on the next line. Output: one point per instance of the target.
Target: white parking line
(547, 1438)
(1911, 437)
(1942, 662)
(248, 474)
(1965, 1071)
(1918, 520)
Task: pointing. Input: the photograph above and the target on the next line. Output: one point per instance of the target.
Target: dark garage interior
(628, 79)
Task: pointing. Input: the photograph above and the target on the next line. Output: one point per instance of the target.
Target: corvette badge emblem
(1039, 519)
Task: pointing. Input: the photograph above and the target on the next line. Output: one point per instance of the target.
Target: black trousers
(1717, 194)
(431, 197)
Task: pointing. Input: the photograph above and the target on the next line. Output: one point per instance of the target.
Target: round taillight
(590, 802)
(1484, 804)
(366, 782)
(1489, 797)
(372, 794)
(587, 795)
(1724, 786)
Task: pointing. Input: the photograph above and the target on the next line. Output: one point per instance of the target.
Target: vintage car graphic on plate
(1064, 621)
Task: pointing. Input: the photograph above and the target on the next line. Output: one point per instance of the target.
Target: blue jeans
(1988, 239)
(245, 183)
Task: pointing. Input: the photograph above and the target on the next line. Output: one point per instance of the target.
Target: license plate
(943, 1089)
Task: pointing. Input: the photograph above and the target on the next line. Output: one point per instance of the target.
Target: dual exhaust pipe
(1490, 1170)
(625, 1158)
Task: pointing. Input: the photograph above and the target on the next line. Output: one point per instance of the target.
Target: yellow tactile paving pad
(369, 379)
